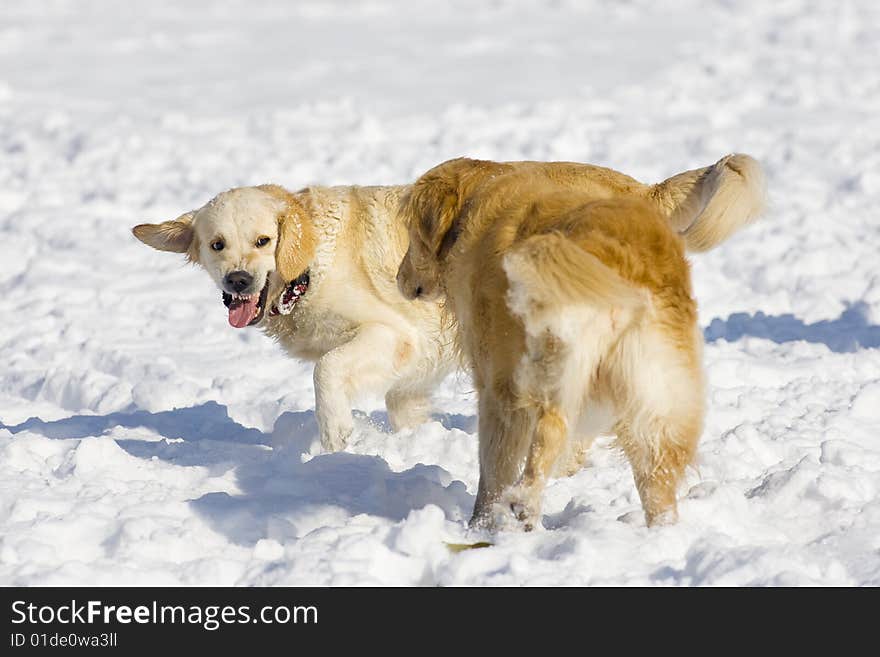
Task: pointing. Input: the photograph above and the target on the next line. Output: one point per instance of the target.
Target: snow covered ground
(144, 441)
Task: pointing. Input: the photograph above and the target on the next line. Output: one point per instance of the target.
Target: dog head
(240, 237)
(435, 209)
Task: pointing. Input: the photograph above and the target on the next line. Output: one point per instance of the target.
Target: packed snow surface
(144, 441)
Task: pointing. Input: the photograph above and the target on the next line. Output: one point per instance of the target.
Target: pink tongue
(241, 311)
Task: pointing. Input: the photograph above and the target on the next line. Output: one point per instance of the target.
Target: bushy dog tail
(708, 205)
(549, 271)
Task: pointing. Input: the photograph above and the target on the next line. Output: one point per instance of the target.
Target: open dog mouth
(246, 310)
(290, 295)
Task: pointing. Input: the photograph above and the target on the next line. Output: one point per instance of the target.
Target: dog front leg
(332, 406)
(358, 366)
(503, 444)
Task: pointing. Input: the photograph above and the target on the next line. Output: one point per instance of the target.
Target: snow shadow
(208, 421)
(201, 435)
(285, 494)
(849, 332)
(466, 423)
(281, 496)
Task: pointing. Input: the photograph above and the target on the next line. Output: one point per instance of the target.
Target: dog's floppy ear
(432, 206)
(296, 244)
(435, 202)
(175, 236)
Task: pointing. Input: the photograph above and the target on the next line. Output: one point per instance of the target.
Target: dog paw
(523, 516)
(407, 412)
(404, 421)
(516, 511)
(494, 518)
(662, 518)
(334, 439)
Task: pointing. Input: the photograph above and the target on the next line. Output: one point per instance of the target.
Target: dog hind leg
(662, 419)
(574, 456)
(658, 450)
(407, 408)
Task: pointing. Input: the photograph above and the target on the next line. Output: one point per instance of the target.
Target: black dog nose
(238, 280)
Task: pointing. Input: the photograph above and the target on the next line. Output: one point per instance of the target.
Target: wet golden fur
(573, 301)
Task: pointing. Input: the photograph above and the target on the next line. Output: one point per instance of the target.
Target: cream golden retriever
(573, 301)
(315, 269)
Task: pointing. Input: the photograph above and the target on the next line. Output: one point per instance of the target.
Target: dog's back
(593, 308)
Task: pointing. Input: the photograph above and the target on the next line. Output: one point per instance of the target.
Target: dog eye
(263, 241)
(217, 245)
